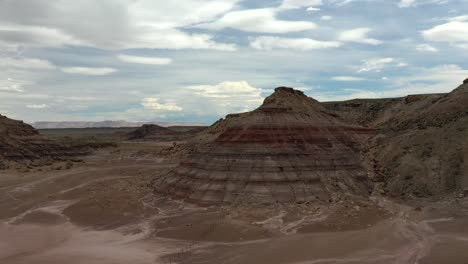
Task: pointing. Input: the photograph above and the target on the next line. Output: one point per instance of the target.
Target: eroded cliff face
(290, 149)
(419, 150)
(20, 142)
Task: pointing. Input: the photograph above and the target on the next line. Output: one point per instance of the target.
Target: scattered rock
(68, 164)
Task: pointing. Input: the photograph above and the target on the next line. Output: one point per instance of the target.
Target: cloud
(36, 36)
(198, 101)
(89, 71)
(312, 9)
(226, 89)
(303, 44)
(12, 86)
(455, 32)
(459, 18)
(326, 18)
(26, 63)
(228, 96)
(37, 106)
(426, 48)
(257, 20)
(341, 3)
(438, 79)
(156, 38)
(347, 79)
(406, 3)
(376, 64)
(413, 3)
(144, 60)
(151, 103)
(112, 24)
(358, 35)
(293, 4)
(50, 31)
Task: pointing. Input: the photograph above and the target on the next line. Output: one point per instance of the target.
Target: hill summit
(290, 149)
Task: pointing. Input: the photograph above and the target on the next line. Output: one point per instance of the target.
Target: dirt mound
(290, 149)
(162, 134)
(21, 143)
(150, 131)
(422, 145)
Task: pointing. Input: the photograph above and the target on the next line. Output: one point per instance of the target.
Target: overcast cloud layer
(197, 60)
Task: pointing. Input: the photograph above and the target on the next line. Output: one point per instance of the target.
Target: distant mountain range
(108, 123)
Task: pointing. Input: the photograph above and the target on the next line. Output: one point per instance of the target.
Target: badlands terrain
(294, 181)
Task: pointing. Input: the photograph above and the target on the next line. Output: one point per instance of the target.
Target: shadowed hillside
(421, 146)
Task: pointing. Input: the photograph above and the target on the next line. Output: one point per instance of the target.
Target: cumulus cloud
(36, 36)
(376, 64)
(426, 48)
(413, 3)
(112, 24)
(144, 60)
(292, 4)
(89, 70)
(152, 103)
(37, 106)
(454, 32)
(257, 20)
(25, 63)
(359, 35)
(12, 85)
(303, 44)
(229, 96)
(406, 3)
(157, 38)
(438, 79)
(226, 90)
(313, 9)
(458, 18)
(347, 79)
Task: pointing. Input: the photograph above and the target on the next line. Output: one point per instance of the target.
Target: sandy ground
(103, 211)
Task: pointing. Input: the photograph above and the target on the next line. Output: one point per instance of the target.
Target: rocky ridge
(21, 143)
(421, 146)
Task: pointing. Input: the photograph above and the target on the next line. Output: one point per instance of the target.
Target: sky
(198, 60)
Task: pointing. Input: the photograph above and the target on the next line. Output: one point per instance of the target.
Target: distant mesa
(104, 124)
(290, 149)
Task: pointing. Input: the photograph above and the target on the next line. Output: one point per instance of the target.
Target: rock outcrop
(290, 149)
(20, 142)
(419, 150)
